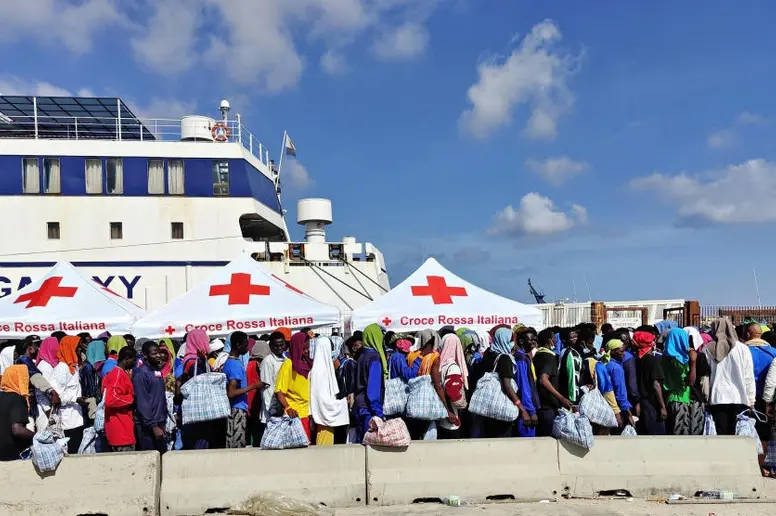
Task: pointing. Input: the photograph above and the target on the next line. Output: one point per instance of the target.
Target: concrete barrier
(476, 470)
(194, 482)
(661, 465)
(117, 484)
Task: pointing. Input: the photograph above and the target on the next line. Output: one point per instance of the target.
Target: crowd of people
(659, 379)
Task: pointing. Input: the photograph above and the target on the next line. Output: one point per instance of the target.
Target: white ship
(151, 207)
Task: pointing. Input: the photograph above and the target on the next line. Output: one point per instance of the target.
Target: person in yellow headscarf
(14, 399)
(113, 346)
(368, 395)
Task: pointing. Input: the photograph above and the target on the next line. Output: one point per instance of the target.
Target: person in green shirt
(685, 416)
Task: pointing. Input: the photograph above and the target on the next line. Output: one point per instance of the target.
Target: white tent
(433, 297)
(64, 300)
(239, 297)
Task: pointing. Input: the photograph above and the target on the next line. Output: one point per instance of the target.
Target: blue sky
(631, 144)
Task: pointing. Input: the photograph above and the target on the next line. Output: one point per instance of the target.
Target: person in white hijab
(6, 359)
(327, 410)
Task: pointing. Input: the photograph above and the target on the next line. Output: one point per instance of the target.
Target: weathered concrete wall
(196, 481)
(117, 484)
(661, 465)
(472, 469)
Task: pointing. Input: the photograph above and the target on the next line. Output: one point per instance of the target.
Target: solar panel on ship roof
(64, 117)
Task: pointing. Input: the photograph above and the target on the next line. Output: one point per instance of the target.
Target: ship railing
(118, 129)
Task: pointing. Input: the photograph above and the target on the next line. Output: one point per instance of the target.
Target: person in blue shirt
(371, 370)
(613, 358)
(527, 342)
(150, 400)
(628, 365)
(237, 390)
(397, 362)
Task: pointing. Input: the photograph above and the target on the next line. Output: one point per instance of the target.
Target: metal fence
(738, 314)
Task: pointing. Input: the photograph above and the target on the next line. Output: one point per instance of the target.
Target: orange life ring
(224, 135)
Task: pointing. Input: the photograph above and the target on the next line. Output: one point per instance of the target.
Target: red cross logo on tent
(437, 288)
(386, 322)
(169, 330)
(239, 289)
(48, 289)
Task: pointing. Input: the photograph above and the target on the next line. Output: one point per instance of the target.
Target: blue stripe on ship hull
(20, 265)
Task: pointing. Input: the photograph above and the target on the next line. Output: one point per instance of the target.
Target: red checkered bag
(392, 433)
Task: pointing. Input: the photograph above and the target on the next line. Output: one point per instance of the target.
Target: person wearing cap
(216, 347)
(615, 353)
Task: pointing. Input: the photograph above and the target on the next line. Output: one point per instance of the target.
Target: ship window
(220, 177)
(94, 176)
(53, 230)
(156, 176)
(175, 177)
(116, 231)
(177, 230)
(31, 175)
(52, 179)
(114, 176)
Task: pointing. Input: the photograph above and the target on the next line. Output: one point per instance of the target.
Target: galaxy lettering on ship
(129, 284)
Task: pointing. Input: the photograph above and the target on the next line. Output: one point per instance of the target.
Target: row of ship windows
(116, 230)
(113, 173)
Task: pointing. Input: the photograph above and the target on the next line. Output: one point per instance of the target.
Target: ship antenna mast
(538, 295)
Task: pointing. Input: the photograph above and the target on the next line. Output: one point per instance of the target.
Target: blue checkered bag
(283, 433)
(629, 431)
(99, 415)
(573, 428)
(709, 426)
(745, 425)
(204, 398)
(170, 425)
(47, 451)
(423, 401)
(597, 410)
(395, 397)
(489, 399)
(89, 442)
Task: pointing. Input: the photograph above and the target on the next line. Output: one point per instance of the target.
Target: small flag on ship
(289, 147)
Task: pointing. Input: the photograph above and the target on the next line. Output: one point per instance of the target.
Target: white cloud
(298, 176)
(535, 75)
(164, 108)
(728, 138)
(333, 63)
(72, 24)
(737, 193)
(166, 43)
(557, 171)
(401, 43)
(721, 139)
(536, 215)
(749, 118)
(11, 85)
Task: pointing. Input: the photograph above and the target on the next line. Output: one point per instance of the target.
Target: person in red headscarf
(651, 408)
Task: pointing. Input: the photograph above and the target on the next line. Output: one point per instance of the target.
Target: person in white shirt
(67, 383)
(732, 382)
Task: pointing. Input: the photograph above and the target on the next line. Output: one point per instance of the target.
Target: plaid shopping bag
(573, 428)
(204, 398)
(709, 426)
(283, 433)
(489, 399)
(596, 409)
(89, 442)
(629, 431)
(47, 451)
(745, 426)
(392, 433)
(395, 397)
(770, 453)
(99, 415)
(423, 401)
